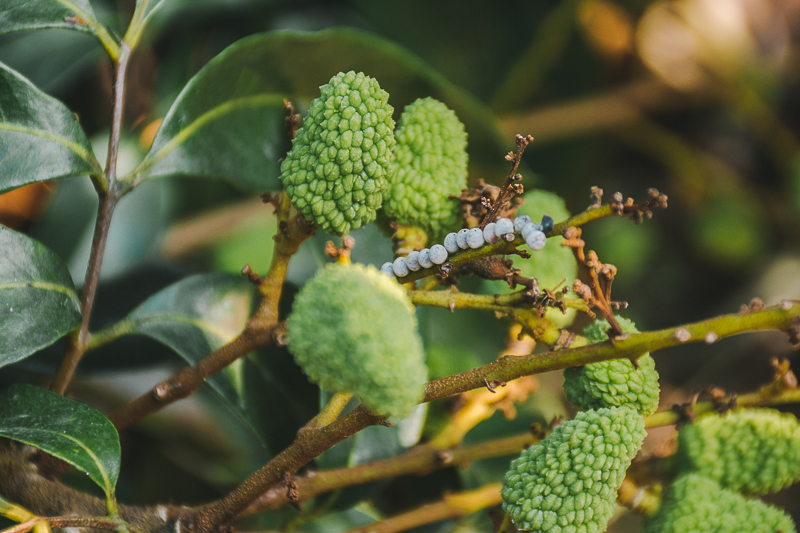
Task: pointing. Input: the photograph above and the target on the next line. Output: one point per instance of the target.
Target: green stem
(784, 317)
(331, 411)
(604, 211)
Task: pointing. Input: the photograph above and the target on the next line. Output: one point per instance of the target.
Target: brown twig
(110, 193)
(618, 207)
(261, 330)
(511, 186)
(597, 292)
(185, 382)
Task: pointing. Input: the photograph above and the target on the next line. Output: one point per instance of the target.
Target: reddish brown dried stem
(509, 188)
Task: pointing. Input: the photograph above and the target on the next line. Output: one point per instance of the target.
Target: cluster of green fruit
(569, 481)
(347, 161)
(723, 459)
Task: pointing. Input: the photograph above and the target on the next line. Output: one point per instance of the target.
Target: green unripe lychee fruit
(696, 504)
(569, 481)
(336, 173)
(352, 329)
(430, 165)
(613, 383)
(754, 451)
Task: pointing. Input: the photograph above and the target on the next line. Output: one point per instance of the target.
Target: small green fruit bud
(569, 481)
(430, 165)
(694, 503)
(353, 329)
(613, 383)
(754, 451)
(336, 173)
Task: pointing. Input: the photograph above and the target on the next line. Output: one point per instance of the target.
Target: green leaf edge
(108, 488)
(92, 26)
(151, 159)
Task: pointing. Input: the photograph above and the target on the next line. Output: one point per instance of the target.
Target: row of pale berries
(504, 228)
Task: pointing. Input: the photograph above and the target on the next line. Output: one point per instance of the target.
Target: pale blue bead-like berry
(412, 260)
(529, 229)
(461, 238)
(503, 227)
(386, 268)
(400, 267)
(438, 254)
(547, 223)
(489, 233)
(475, 238)
(451, 243)
(535, 239)
(425, 258)
(520, 222)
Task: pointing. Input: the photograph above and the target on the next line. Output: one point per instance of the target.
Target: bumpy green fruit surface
(613, 383)
(352, 329)
(696, 504)
(569, 481)
(754, 451)
(430, 165)
(337, 170)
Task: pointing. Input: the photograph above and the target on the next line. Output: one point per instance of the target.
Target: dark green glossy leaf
(196, 316)
(34, 14)
(38, 303)
(228, 121)
(40, 139)
(67, 429)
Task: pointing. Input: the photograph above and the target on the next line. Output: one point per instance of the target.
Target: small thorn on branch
(279, 335)
(251, 276)
(492, 385)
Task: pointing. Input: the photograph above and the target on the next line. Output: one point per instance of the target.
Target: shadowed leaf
(38, 303)
(64, 428)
